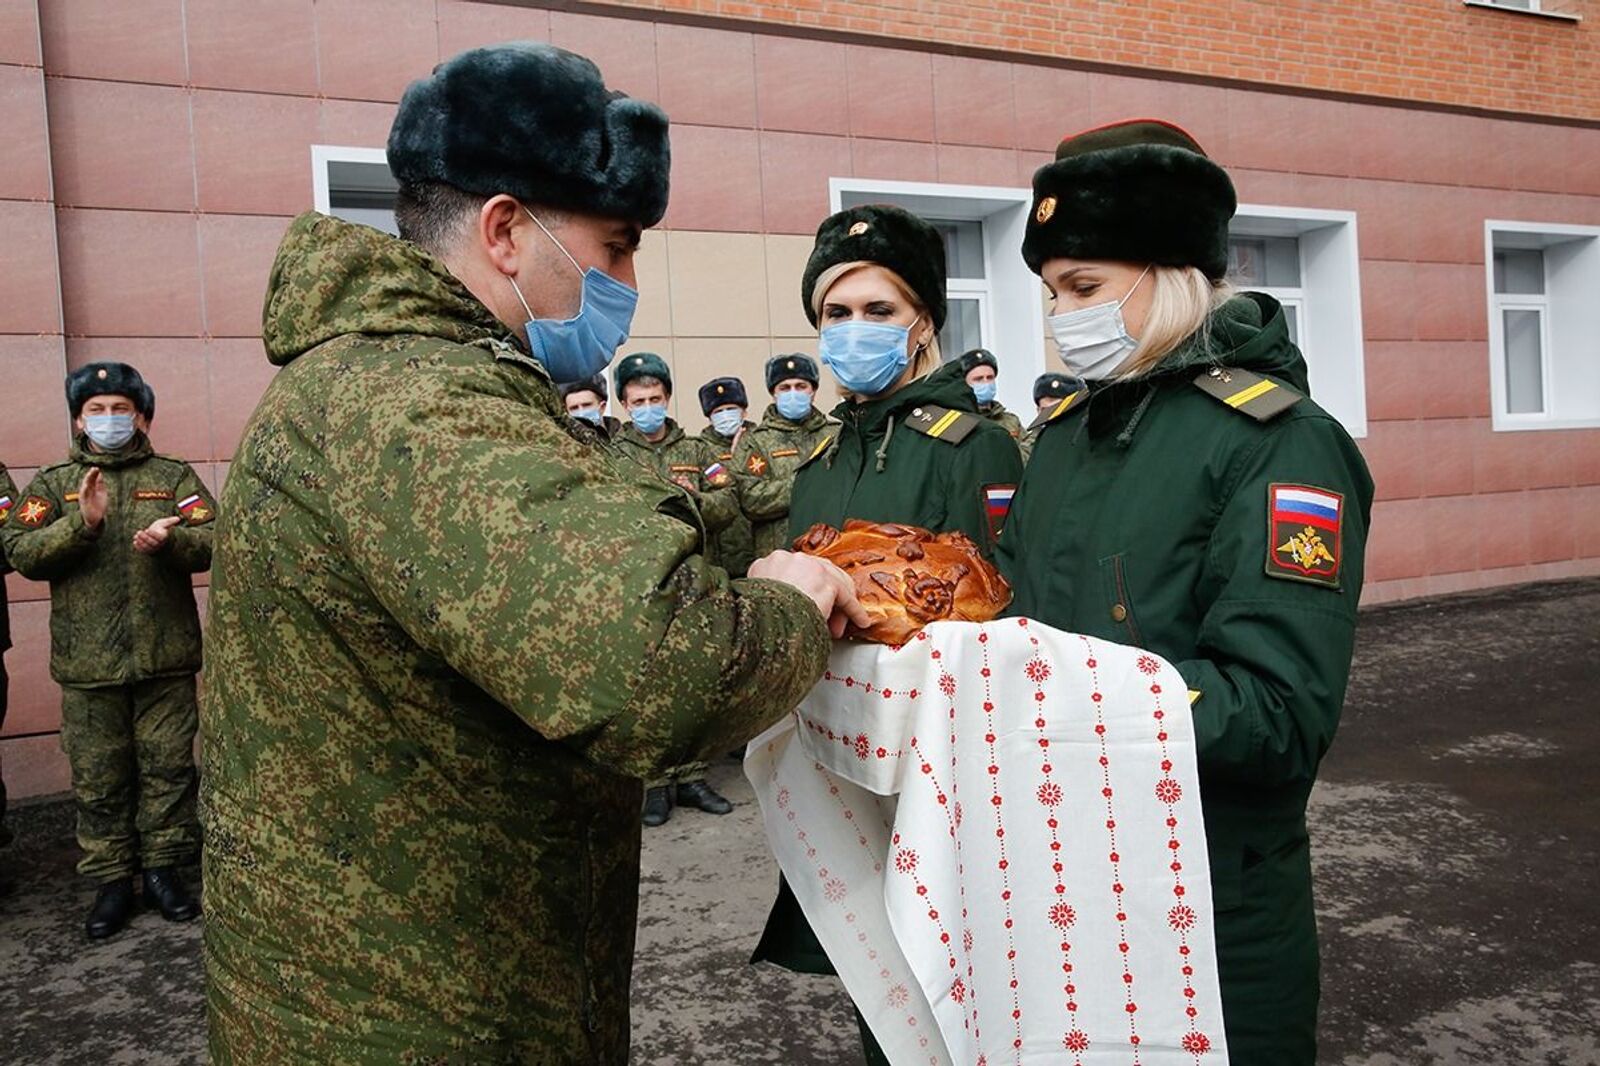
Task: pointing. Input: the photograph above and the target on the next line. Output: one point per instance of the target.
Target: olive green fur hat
(1141, 191)
(109, 379)
(793, 365)
(641, 365)
(888, 236)
(535, 122)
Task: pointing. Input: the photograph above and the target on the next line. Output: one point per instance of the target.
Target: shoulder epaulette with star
(1247, 392)
(942, 423)
(1069, 402)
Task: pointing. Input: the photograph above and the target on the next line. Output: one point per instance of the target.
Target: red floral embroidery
(1049, 794)
(947, 684)
(863, 746)
(1038, 671)
(1077, 1041)
(1062, 915)
(834, 890)
(898, 997)
(958, 990)
(1196, 1043)
(905, 860)
(1181, 917)
(1168, 790)
(1148, 665)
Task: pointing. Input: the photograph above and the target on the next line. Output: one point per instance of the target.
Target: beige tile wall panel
(786, 265)
(652, 270)
(719, 284)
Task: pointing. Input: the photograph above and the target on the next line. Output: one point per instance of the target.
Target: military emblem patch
(1047, 210)
(1303, 526)
(717, 474)
(194, 510)
(857, 229)
(33, 512)
(756, 465)
(5, 508)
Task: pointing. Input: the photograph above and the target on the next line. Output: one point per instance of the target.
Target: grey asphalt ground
(1456, 831)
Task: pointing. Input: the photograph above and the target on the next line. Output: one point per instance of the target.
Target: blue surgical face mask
(579, 347)
(794, 404)
(648, 418)
(588, 414)
(727, 421)
(109, 432)
(985, 390)
(866, 357)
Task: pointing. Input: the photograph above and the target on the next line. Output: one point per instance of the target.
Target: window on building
(1557, 9)
(354, 184)
(1308, 261)
(1544, 325)
(993, 297)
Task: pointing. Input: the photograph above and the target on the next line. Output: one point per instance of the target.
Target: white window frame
(1009, 293)
(1569, 323)
(1327, 304)
(324, 154)
(1535, 7)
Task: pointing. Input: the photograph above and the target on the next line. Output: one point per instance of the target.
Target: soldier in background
(8, 502)
(656, 441)
(724, 402)
(1048, 392)
(791, 431)
(117, 530)
(983, 371)
(586, 400)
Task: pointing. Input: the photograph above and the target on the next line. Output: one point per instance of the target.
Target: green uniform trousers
(681, 775)
(131, 748)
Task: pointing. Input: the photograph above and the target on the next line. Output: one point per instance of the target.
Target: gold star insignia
(1047, 210)
(858, 229)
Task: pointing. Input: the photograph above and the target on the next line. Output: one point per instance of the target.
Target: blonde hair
(927, 358)
(1180, 307)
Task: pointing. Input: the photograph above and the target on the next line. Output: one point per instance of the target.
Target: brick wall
(1439, 51)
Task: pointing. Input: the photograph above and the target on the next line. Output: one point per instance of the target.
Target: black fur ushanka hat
(535, 122)
(888, 236)
(1141, 191)
(109, 379)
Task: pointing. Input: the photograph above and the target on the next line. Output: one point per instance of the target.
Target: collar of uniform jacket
(1249, 332)
(138, 450)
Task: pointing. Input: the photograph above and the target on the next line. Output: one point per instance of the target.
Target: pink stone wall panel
(240, 374)
(130, 273)
(25, 158)
(800, 86)
(1552, 537)
(716, 180)
(236, 253)
(120, 145)
(251, 45)
(795, 168)
(34, 701)
(625, 51)
(373, 49)
(252, 152)
(973, 102)
(1391, 450)
(469, 25)
(1445, 456)
(33, 432)
(19, 32)
(893, 160)
(891, 93)
(1397, 542)
(127, 40)
(1049, 104)
(961, 164)
(354, 123)
(29, 303)
(35, 766)
(709, 76)
(1448, 536)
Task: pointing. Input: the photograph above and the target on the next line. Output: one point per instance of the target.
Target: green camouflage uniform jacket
(996, 412)
(116, 617)
(735, 545)
(1162, 515)
(449, 632)
(692, 464)
(764, 467)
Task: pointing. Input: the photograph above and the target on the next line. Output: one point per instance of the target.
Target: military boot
(165, 887)
(112, 905)
(657, 806)
(702, 795)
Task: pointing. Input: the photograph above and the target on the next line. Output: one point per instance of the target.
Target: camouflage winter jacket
(690, 463)
(764, 467)
(116, 617)
(449, 633)
(735, 548)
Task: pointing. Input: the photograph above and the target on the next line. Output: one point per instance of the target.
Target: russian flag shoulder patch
(1303, 533)
(997, 504)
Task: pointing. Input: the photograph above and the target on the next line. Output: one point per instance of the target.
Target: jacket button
(1119, 613)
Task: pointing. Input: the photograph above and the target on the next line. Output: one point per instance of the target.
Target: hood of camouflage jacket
(333, 277)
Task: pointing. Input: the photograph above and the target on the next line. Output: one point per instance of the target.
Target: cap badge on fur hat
(859, 228)
(101, 375)
(1047, 210)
